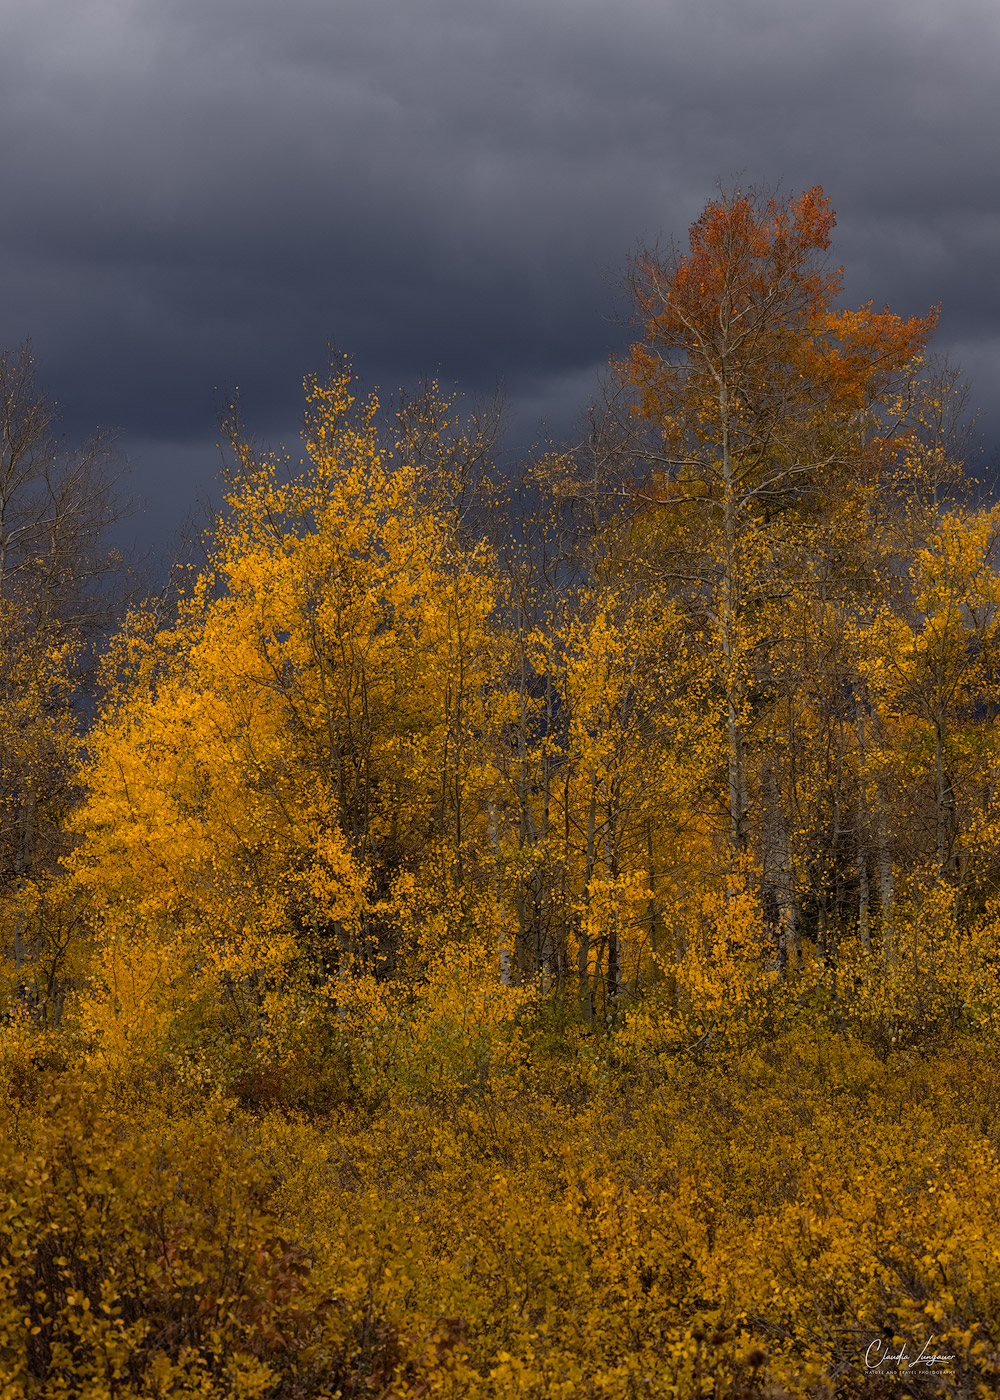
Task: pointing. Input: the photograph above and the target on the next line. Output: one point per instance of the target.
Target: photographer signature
(878, 1354)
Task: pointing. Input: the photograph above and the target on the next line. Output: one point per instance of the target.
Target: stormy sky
(196, 194)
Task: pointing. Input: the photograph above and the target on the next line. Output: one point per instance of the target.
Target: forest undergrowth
(769, 1218)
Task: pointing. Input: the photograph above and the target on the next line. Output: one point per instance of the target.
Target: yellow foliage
(142, 1259)
(564, 965)
(678, 1229)
(460, 1026)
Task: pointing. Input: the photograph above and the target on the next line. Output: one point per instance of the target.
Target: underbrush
(140, 1255)
(588, 1223)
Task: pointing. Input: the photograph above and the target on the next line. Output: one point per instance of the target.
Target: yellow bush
(750, 1225)
(455, 1025)
(140, 1258)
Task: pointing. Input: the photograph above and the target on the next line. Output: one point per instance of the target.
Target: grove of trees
(519, 937)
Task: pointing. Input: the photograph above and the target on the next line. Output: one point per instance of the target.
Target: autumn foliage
(544, 958)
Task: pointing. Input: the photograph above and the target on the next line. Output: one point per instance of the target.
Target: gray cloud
(203, 192)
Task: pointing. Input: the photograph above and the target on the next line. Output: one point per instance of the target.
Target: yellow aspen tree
(287, 772)
(937, 673)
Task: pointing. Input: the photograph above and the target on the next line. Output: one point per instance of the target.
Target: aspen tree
(286, 777)
(937, 662)
(756, 392)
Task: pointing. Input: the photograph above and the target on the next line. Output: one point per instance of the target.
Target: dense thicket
(551, 917)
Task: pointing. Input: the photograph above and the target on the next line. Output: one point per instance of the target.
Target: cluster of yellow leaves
(460, 1026)
(722, 986)
(493, 982)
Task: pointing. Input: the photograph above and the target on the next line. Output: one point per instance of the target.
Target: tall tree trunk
(940, 797)
(778, 868)
(583, 957)
(887, 894)
(503, 946)
(526, 825)
(22, 864)
(861, 856)
(738, 834)
(652, 915)
(547, 953)
(611, 863)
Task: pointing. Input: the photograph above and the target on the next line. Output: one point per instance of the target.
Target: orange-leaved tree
(763, 418)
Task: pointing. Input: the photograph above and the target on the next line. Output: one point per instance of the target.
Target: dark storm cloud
(203, 192)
